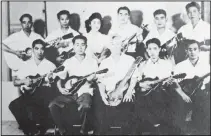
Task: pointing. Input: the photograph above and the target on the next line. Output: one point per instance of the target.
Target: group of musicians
(105, 83)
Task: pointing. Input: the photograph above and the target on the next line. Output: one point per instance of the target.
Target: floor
(10, 128)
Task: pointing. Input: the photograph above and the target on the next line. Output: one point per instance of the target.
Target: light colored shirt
(18, 41)
(200, 33)
(96, 42)
(74, 67)
(164, 37)
(161, 69)
(59, 33)
(30, 68)
(116, 70)
(125, 32)
(200, 69)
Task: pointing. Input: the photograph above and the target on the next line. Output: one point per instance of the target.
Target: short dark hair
(192, 4)
(124, 8)
(92, 17)
(38, 41)
(153, 40)
(25, 15)
(188, 42)
(79, 37)
(159, 11)
(63, 12)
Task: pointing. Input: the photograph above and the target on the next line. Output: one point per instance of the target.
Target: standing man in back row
(197, 29)
(162, 32)
(125, 29)
(65, 45)
(16, 42)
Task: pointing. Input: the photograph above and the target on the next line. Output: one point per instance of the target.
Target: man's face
(79, 46)
(95, 24)
(116, 45)
(123, 16)
(26, 24)
(64, 20)
(153, 50)
(193, 51)
(160, 20)
(38, 51)
(193, 14)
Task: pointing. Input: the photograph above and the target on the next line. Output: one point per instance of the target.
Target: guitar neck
(205, 42)
(131, 70)
(203, 77)
(169, 41)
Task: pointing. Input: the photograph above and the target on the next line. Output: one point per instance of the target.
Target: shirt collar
(197, 63)
(75, 59)
(157, 62)
(23, 33)
(32, 61)
(69, 30)
(198, 24)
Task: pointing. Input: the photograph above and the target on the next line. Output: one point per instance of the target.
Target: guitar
(154, 83)
(13, 61)
(67, 54)
(73, 83)
(59, 39)
(190, 86)
(115, 97)
(103, 55)
(179, 50)
(32, 88)
(126, 45)
(167, 51)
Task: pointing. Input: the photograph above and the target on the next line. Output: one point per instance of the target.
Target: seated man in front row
(150, 108)
(67, 108)
(194, 65)
(106, 116)
(36, 103)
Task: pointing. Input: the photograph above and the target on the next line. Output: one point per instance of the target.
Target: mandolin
(190, 86)
(74, 83)
(59, 39)
(154, 83)
(32, 88)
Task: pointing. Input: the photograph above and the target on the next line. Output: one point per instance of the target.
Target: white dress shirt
(161, 69)
(124, 32)
(116, 70)
(30, 68)
(59, 33)
(200, 69)
(74, 67)
(164, 37)
(18, 41)
(199, 33)
(96, 42)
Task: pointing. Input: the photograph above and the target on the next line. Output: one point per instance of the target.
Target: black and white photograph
(105, 67)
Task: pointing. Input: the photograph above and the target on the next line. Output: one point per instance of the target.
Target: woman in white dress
(97, 42)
